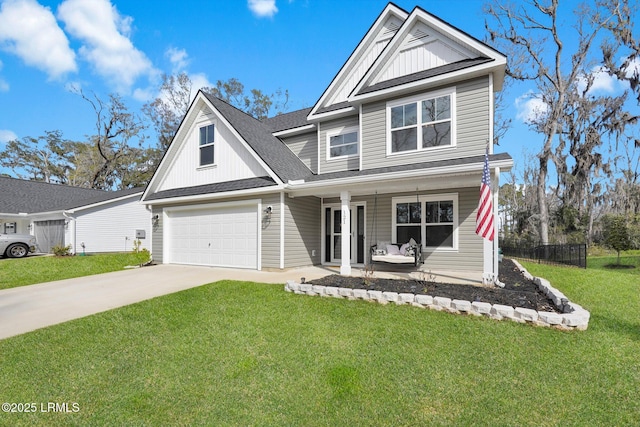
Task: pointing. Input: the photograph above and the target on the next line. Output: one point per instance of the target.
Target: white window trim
(342, 131)
(216, 137)
(417, 99)
(423, 199)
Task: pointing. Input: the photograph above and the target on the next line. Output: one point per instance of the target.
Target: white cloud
(602, 81)
(178, 57)
(106, 44)
(30, 31)
(634, 67)
(7, 135)
(198, 81)
(263, 8)
(530, 107)
(4, 86)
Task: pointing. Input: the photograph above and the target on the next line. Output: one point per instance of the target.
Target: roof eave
(295, 131)
(215, 196)
(332, 114)
(494, 67)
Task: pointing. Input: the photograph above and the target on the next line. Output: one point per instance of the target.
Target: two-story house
(392, 150)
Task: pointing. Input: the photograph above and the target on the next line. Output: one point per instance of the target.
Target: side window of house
(9, 228)
(421, 124)
(343, 144)
(430, 220)
(207, 143)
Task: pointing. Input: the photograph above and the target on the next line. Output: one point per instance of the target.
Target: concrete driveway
(28, 308)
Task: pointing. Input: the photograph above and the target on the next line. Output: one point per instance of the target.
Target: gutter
(214, 196)
(417, 173)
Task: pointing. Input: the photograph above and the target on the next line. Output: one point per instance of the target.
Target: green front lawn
(238, 353)
(40, 269)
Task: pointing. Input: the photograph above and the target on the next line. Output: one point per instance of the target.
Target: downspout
(72, 230)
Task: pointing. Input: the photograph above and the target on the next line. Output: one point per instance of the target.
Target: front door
(333, 234)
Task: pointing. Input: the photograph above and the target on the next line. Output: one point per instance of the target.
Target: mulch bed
(518, 291)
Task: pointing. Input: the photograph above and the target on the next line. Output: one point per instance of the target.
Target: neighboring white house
(104, 221)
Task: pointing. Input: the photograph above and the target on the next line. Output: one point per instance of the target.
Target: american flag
(484, 217)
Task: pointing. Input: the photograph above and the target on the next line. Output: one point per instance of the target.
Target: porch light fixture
(155, 220)
(268, 211)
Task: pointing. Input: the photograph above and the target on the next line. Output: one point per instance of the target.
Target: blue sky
(122, 46)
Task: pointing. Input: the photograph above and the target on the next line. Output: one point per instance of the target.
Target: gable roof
(377, 64)
(443, 50)
(373, 42)
(258, 135)
(22, 196)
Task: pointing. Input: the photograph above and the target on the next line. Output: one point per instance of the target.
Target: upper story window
(207, 143)
(343, 144)
(422, 122)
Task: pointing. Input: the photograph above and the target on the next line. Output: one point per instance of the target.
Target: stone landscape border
(573, 316)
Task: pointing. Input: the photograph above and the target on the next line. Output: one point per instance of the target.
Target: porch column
(496, 218)
(345, 233)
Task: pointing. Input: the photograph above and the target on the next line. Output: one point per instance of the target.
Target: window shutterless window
(421, 122)
(342, 144)
(207, 144)
(431, 220)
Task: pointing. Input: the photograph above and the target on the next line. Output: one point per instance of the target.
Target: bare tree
(117, 129)
(168, 109)
(530, 35)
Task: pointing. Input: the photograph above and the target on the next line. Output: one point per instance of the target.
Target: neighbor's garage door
(224, 236)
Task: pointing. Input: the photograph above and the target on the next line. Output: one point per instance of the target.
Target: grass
(238, 353)
(40, 269)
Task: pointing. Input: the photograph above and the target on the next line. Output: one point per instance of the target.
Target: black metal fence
(573, 254)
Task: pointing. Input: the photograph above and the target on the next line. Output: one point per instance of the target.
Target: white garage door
(217, 236)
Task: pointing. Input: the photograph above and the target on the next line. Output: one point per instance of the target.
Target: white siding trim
(361, 137)
(491, 113)
(318, 168)
(282, 207)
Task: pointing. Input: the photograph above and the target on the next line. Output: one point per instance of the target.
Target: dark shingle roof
(19, 195)
(291, 120)
(285, 164)
(334, 107)
(219, 187)
(106, 196)
(420, 75)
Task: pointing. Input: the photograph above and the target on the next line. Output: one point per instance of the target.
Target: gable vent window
(207, 142)
(421, 123)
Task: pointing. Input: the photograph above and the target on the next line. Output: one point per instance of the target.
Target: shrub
(59, 250)
(142, 256)
(620, 233)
